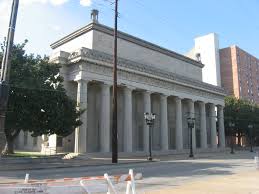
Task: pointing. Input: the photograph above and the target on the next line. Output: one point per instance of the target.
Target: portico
(150, 79)
(161, 93)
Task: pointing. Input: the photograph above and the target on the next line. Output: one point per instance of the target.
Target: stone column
(213, 129)
(127, 92)
(192, 115)
(105, 118)
(222, 143)
(179, 128)
(81, 132)
(203, 134)
(164, 122)
(147, 108)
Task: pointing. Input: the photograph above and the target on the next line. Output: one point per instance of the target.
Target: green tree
(242, 113)
(37, 100)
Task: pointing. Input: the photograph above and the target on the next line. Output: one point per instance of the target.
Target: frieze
(85, 53)
(134, 77)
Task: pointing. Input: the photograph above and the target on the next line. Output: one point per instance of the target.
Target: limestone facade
(150, 79)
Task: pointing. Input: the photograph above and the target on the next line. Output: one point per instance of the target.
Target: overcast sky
(169, 23)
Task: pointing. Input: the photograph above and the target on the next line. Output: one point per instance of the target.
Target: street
(168, 173)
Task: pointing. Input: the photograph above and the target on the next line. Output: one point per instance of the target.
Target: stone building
(150, 79)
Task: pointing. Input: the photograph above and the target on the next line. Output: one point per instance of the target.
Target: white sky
(35, 18)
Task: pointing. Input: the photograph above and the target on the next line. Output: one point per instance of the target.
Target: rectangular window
(25, 138)
(35, 141)
(59, 141)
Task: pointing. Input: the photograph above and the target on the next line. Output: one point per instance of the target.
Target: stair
(70, 156)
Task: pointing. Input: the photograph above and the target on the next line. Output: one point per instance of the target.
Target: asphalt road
(156, 175)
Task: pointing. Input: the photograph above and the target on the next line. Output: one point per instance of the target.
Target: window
(59, 141)
(25, 138)
(35, 141)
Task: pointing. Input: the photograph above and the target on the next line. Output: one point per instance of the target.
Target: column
(127, 119)
(147, 108)
(192, 115)
(164, 122)
(213, 126)
(221, 127)
(203, 134)
(105, 118)
(81, 131)
(179, 128)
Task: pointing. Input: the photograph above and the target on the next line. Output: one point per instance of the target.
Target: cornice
(124, 36)
(97, 56)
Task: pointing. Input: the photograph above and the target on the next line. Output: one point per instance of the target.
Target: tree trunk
(10, 137)
(9, 146)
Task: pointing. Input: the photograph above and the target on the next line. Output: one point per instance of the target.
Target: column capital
(190, 100)
(128, 88)
(147, 92)
(178, 98)
(82, 81)
(104, 85)
(201, 102)
(163, 96)
(220, 107)
(211, 104)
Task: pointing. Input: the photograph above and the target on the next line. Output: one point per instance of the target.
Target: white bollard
(26, 180)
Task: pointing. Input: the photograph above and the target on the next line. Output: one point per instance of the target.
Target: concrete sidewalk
(241, 183)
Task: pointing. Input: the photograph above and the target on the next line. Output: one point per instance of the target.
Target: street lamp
(231, 126)
(150, 118)
(250, 127)
(191, 123)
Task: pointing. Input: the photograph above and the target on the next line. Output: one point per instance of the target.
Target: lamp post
(250, 127)
(191, 123)
(231, 126)
(150, 118)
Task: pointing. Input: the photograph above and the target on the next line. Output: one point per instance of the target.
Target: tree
(37, 100)
(242, 113)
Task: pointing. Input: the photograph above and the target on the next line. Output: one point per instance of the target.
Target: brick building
(240, 73)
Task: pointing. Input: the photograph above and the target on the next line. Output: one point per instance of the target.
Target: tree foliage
(242, 113)
(37, 100)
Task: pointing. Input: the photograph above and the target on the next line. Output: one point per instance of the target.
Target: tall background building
(232, 68)
(239, 73)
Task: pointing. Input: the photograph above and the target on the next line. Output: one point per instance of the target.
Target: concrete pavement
(163, 176)
(240, 183)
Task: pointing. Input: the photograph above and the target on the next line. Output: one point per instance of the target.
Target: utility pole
(5, 71)
(114, 92)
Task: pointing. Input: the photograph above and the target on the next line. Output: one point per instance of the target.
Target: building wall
(240, 72)
(84, 40)
(208, 48)
(128, 50)
(226, 70)
(25, 141)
